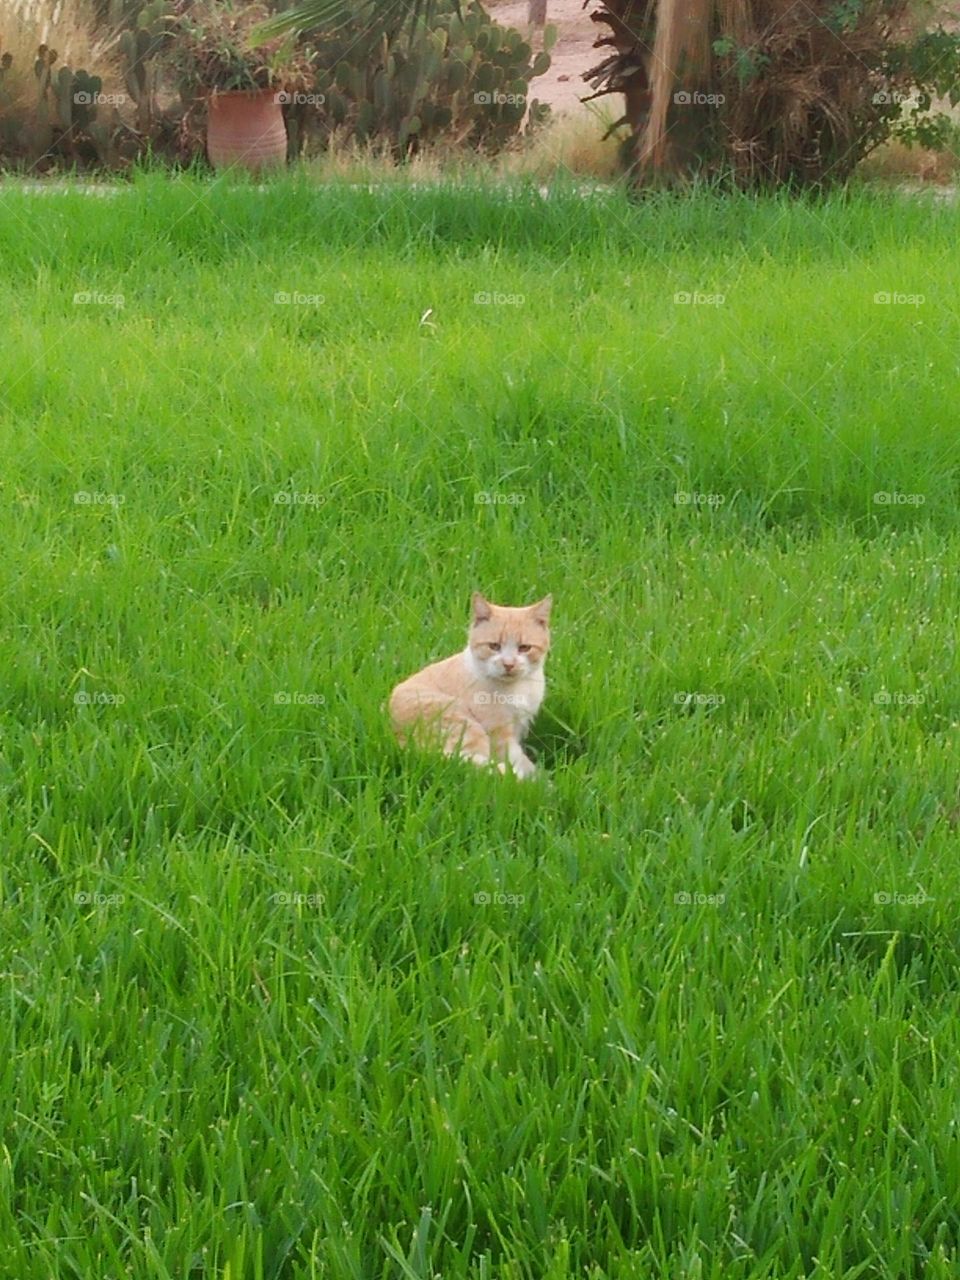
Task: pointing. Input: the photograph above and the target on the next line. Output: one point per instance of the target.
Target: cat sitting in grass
(480, 703)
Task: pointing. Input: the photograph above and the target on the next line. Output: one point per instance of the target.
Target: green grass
(257, 1020)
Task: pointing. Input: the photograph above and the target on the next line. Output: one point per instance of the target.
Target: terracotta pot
(245, 130)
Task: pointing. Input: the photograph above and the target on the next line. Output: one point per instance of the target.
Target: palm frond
(388, 16)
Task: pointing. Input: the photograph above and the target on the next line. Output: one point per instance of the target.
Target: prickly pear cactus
(464, 76)
(139, 45)
(65, 119)
(8, 125)
(85, 91)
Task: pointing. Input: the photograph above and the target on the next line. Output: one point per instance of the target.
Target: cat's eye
(523, 648)
(494, 646)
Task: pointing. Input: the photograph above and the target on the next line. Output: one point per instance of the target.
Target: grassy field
(280, 1001)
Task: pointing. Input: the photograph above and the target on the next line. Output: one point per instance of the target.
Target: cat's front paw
(524, 767)
(483, 761)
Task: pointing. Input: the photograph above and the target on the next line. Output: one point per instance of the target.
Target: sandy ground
(562, 86)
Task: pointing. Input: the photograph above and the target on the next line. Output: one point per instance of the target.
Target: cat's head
(505, 643)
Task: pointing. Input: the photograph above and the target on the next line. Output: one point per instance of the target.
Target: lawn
(282, 1001)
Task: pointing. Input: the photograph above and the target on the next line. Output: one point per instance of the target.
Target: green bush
(776, 92)
(459, 77)
(462, 76)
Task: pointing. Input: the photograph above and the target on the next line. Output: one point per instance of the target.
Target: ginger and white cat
(479, 704)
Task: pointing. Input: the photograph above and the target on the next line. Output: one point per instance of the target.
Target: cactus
(66, 110)
(8, 124)
(43, 70)
(382, 96)
(457, 74)
(66, 119)
(84, 94)
(101, 135)
(139, 46)
(541, 63)
(65, 95)
(366, 120)
(446, 74)
(355, 83)
(134, 74)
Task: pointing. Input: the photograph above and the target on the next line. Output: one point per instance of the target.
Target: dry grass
(569, 144)
(346, 159)
(894, 161)
(66, 26)
(572, 143)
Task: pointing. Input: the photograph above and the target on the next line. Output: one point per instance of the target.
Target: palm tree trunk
(680, 60)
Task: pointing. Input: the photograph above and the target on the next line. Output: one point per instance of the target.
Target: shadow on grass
(411, 775)
(554, 740)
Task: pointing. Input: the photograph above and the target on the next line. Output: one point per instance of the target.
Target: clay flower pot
(245, 130)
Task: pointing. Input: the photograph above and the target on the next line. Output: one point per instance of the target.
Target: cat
(480, 703)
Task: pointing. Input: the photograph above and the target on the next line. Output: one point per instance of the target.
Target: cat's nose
(508, 664)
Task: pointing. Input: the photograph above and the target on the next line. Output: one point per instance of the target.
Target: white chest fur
(512, 702)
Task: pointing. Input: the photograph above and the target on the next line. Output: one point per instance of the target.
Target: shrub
(455, 77)
(60, 84)
(212, 44)
(771, 91)
(460, 77)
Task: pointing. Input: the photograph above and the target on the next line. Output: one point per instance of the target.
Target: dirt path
(562, 86)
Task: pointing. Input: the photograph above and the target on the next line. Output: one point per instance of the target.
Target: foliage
(59, 84)
(384, 17)
(787, 93)
(461, 76)
(211, 46)
(451, 75)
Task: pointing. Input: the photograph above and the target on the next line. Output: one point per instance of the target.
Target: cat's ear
(480, 607)
(540, 612)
